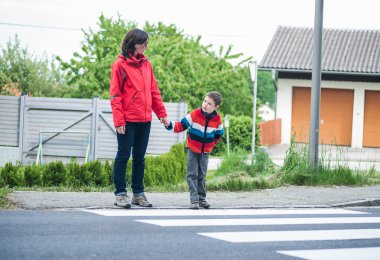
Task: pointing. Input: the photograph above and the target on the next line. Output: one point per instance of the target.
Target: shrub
(54, 174)
(79, 175)
(241, 132)
(240, 135)
(108, 173)
(166, 169)
(12, 175)
(33, 175)
(96, 170)
(2, 182)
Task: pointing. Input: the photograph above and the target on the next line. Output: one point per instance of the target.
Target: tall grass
(237, 173)
(332, 170)
(236, 162)
(4, 203)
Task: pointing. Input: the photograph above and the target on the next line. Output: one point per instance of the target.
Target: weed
(233, 163)
(4, 203)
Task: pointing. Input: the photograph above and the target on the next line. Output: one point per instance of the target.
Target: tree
(265, 88)
(89, 71)
(22, 72)
(185, 69)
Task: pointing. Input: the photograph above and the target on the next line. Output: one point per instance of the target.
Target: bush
(2, 182)
(79, 175)
(54, 174)
(163, 170)
(166, 169)
(108, 173)
(240, 135)
(12, 175)
(96, 170)
(33, 175)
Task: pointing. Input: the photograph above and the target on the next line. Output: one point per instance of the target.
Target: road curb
(359, 203)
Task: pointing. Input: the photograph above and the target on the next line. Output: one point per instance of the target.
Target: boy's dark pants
(196, 175)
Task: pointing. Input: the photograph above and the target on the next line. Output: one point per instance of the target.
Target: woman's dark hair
(133, 37)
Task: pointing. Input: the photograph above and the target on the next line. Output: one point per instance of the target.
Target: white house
(266, 112)
(350, 86)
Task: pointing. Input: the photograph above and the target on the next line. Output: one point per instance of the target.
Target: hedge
(169, 168)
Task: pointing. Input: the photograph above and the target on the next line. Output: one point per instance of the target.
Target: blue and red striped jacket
(205, 130)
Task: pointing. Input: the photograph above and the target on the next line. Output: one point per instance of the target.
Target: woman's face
(140, 48)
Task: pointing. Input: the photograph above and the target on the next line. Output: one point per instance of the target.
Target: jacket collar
(208, 116)
(132, 60)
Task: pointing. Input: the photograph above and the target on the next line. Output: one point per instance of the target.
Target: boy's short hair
(216, 96)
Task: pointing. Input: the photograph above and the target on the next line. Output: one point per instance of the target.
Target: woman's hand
(165, 121)
(120, 129)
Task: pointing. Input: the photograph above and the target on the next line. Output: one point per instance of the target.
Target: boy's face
(208, 105)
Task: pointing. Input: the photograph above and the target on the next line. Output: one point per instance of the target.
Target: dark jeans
(136, 136)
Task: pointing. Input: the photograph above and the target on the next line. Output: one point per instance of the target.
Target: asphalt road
(188, 234)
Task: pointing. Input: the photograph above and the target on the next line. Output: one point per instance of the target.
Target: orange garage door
(335, 115)
(371, 132)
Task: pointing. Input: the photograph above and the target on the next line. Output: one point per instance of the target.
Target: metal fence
(63, 129)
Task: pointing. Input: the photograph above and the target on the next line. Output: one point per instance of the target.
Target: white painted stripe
(306, 235)
(367, 253)
(220, 212)
(260, 221)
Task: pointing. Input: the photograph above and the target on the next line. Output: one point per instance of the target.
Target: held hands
(165, 121)
(121, 129)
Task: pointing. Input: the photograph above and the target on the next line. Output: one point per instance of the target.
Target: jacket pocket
(130, 100)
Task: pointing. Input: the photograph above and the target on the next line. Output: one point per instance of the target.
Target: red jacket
(133, 91)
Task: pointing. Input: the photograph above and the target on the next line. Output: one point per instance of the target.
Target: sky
(53, 26)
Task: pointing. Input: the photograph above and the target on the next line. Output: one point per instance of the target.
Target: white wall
(284, 105)
(8, 154)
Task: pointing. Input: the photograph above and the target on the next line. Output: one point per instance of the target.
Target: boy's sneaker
(194, 205)
(204, 204)
(123, 201)
(141, 200)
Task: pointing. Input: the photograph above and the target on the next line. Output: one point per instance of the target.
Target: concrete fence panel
(51, 129)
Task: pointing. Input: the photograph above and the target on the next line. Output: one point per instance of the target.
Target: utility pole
(316, 86)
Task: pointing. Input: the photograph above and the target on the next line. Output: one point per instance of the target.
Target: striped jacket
(205, 130)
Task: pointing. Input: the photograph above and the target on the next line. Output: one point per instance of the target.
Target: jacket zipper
(204, 135)
(142, 76)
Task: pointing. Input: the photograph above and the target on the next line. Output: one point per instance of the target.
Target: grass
(238, 173)
(331, 170)
(4, 202)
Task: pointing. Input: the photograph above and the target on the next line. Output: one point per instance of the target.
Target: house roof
(343, 51)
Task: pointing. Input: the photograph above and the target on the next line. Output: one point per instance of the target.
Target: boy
(206, 129)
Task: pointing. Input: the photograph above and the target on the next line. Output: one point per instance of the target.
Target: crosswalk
(271, 218)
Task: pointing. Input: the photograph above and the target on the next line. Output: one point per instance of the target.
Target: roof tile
(343, 50)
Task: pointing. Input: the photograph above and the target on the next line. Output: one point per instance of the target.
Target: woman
(134, 94)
